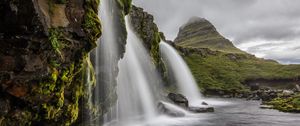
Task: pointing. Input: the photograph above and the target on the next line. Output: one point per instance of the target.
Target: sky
(266, 28)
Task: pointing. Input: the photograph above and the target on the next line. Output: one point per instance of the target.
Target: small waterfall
(105, 60)
(135, 82)
(183, 76)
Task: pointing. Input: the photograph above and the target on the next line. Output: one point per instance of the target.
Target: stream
(237, 112)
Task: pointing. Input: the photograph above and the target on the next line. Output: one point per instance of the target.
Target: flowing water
(134, 86)
(183, 76)
(138, 95)
(105, 56)
(239, 112)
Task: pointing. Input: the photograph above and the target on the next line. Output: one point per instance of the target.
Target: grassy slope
(220, 72)
(204, 35)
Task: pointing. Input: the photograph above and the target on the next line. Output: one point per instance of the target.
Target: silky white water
(106, 56)
(183, 76)
(135, 89)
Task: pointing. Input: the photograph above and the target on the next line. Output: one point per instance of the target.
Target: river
(233, 112)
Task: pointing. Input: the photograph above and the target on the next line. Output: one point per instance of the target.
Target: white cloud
(249, 23)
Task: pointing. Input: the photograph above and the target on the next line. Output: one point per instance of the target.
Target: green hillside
(226, 68)
(200, 33)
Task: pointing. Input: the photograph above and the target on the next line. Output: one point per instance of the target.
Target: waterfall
(135, 91)
(183, 76)
(137, 78)
(105, 59)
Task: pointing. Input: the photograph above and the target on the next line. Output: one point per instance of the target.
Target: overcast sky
(266, 28)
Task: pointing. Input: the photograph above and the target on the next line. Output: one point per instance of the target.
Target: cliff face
(44, 45)
(219, 66)
(200, 33)
(143, 24)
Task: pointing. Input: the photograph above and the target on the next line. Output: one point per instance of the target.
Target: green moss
(55, 37)
(47, 85)
(20, 118)
(51, 112)
(125, 5)
(54, 98)
(154, 51)
(286, 104)
(91, 23)
(72, 112)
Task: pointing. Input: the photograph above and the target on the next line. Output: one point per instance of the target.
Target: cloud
(248, 23)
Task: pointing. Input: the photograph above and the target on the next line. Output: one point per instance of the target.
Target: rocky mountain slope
(219, 66)
(200, 33)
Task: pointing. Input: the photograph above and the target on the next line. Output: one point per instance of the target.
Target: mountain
(199, 32)
(219, 66)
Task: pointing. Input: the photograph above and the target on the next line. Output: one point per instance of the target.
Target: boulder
(297, 88)
(168, 110)
(266, 107)
(287, 93)
(201, 109)
(254, 87)
(204, 103)
(179, 99)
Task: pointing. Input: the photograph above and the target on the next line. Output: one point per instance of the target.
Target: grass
(286, 104)
(220, 72)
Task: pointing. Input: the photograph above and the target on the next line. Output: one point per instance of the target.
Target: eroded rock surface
(44, 45)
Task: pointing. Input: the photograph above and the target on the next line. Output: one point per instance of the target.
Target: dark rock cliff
(44, 45)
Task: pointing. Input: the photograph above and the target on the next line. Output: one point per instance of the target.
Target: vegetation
(125, 5)
(55, 37)
(228, 71)
(91, 23)
(286, 104)
(218, 65)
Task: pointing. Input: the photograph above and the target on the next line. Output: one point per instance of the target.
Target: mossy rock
(286, 104)
(125, 5)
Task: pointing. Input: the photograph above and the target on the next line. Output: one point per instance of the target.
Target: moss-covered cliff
(147, 30)
(44, 47)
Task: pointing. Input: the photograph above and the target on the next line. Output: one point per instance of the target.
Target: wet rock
(266, 107)
(287, 93)
(165, 109)
(267, 96)
(4, 106)
(17, 90)
(254, 87)
(179, 99)
(204, 103)
(7, 63)
(201, 109)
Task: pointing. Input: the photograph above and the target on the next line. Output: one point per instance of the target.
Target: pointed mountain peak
(200, 33)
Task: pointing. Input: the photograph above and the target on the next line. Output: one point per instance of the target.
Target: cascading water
(183, 77)
(135, 82)
(105, 59)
